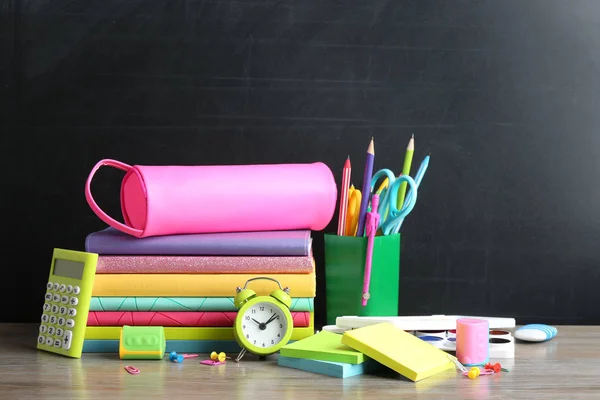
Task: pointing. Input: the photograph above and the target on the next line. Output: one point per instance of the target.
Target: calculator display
(68, 268)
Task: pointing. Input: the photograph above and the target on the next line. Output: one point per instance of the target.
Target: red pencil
(344, 197)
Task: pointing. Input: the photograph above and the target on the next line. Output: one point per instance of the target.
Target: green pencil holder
(344, 275)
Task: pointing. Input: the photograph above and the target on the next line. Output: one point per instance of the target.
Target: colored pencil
(346, 172)
(366, 189)
(372, 221)
(354, 198)
(410, 149)
(418, 178)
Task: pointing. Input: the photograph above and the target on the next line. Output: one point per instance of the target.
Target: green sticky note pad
(324, 346)
(142, 343)
(344, 276)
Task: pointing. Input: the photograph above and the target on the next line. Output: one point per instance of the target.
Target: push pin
(473, 373)
(215, 359)
(220, 356)
(178, 358)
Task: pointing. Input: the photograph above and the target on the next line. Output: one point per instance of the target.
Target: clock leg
(239, 357)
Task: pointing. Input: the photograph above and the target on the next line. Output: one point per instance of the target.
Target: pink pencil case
(170, 200)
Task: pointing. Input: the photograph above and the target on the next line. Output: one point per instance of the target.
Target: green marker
(410, 149)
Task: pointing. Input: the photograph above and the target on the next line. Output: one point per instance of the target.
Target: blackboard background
(503, 94)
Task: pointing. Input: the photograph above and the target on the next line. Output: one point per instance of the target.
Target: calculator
(67, 302)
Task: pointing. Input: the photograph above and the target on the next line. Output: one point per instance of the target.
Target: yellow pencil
(410, 149)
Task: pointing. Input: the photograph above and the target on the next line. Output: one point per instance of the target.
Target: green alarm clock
(263, 324)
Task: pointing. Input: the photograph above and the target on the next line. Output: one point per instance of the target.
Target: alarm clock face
(264, 325)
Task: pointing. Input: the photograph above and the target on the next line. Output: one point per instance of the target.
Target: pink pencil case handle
(94, 206)
(166, 200)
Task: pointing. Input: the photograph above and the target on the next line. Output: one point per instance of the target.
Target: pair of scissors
(391, 217)
(354, 199)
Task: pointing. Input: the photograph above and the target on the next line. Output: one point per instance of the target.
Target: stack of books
(187, 284)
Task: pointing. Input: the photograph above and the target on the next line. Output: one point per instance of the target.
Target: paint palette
(501, 342)
(438, 330)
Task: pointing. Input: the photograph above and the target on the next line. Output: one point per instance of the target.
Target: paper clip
(132, 370)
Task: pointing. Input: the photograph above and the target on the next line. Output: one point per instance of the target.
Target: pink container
(472, 341)
(169, 200)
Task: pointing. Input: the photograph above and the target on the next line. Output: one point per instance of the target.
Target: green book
(324, 346)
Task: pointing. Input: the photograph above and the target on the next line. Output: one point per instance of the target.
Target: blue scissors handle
(389, 196)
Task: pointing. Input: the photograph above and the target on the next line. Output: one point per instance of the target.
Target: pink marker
(371, 223)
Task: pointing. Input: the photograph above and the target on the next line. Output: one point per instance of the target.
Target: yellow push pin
(473, 373)
(221, 357)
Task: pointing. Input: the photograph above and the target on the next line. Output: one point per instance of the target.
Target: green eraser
(142, 343)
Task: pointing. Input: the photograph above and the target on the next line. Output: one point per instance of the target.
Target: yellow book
(396, 349)
(198, 285)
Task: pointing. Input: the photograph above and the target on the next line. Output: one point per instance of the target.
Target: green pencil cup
(344, 275)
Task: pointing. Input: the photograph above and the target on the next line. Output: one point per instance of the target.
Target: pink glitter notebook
(176, 318)
(204, 265)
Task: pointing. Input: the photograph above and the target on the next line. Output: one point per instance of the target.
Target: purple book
(111, 241)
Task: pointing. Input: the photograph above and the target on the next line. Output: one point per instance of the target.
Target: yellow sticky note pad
(398, 350)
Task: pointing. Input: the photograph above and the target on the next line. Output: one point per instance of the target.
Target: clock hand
(271, 319)
(255, 321)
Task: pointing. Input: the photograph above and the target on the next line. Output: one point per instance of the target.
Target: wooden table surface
(566, 367)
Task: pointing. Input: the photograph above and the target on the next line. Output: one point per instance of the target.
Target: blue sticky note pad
(335, 369)
(535, 333)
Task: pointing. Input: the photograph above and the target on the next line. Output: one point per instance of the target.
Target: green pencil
(410, 149)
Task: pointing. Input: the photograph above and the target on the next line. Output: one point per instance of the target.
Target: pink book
(177, 318)
(204, 265)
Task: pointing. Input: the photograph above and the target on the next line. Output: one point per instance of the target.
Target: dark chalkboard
(505, 95)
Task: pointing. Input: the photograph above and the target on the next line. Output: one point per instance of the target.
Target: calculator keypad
(58, 312)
